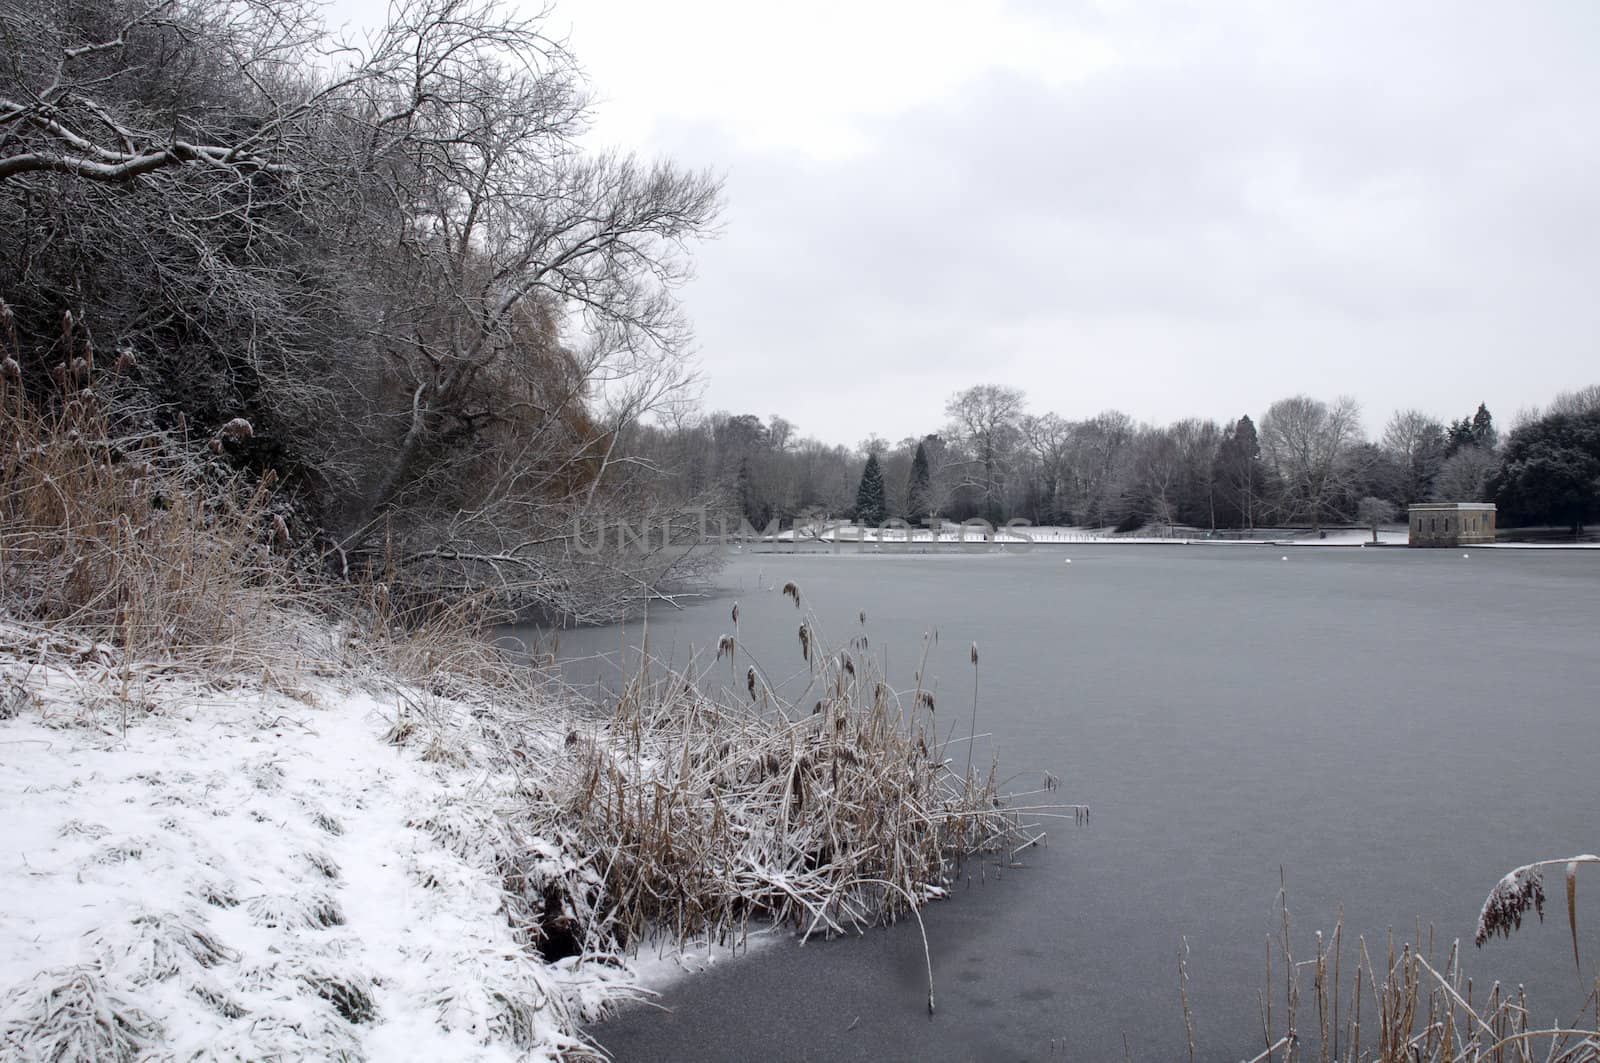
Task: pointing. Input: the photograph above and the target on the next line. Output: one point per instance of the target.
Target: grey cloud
(1392, 197)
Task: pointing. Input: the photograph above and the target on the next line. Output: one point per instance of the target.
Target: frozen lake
(1394, 729)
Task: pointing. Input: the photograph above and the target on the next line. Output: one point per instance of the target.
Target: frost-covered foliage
(71, 1014)
(412, 846)
(1509, 901)
(1522, 888)
(236, 876)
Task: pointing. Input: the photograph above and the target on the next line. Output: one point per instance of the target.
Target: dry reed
(827, 817)
(132, 536)
(1408, 1005)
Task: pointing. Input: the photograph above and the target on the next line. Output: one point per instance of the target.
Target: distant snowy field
(852, 535)
(217, 870)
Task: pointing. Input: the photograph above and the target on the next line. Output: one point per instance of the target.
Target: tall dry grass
(1410, 1003)
(130, 535)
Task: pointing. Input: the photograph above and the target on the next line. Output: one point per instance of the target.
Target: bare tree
(1464, 477)
(505, 229)
(111, 92)
(781, 432)
(521, 295)
(1304, 440)
(1158, 466)
(1098, 463)
(163, 171)
(1050, 438)
(1373, 512)
(985, 419)
(1417, 444)
(1574, 403)
(1197, 442)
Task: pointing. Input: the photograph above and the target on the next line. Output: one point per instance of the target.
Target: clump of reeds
(130, 534)
(829, 811)
(1408, 1004)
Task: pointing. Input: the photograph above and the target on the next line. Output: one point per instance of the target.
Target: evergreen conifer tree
(1239, 475)
(871, 507)
(1483, 430)
(750, 504)
(919, 487)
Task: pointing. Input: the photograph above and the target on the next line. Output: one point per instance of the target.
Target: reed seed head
(1510, 899)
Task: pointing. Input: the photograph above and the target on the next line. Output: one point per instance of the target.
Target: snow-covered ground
(244, 869)
(843, 536)
(848, 536)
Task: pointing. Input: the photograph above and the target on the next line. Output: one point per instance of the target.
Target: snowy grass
(71, 1014)
(178, 888)
(460, 864)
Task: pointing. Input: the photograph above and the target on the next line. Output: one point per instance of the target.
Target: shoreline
(402, 850)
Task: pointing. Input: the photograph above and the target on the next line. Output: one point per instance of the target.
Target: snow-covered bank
(248, 869)
(307, 856)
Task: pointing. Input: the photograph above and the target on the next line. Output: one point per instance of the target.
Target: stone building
(1452, 523)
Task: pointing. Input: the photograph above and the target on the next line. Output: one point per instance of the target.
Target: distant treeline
(1307, 462)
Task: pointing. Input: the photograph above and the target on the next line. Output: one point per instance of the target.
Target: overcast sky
(1175, 209)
